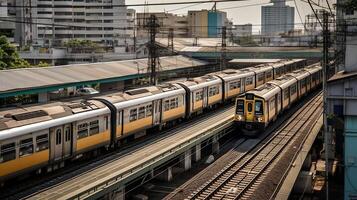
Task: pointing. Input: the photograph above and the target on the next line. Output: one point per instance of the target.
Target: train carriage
(288, 86)
(304, 80)
(316, 74)
(263, 74)
(234, 82)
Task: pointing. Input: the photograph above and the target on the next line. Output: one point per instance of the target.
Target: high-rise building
(242, 30)
(277, 18)
(102, 21)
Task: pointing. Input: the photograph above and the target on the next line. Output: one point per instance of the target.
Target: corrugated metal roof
(29, 78)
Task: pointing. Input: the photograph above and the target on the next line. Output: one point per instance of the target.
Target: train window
(213, 91)
(26, 147)
(67, 134)
(250, 107)
(7, 152)
(234, 85)
(82, 130)
(41, 142)
(249, 81)
(58, 136)
(141, 112)
(94, 127)
(119, 118)
(269, 75)
(199, 96)
(133, 114)
(303, 82)
(148, 110)
(249, 96)
(240, 107)
(174, 103)
(260, 77)
(167, 105)
(258, 107)
(286, 94)
(293, 89)
(106, 122)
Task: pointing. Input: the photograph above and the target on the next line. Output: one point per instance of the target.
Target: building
(243, 30)
(205, 23)
(165, 21)
(277, 18)
(95, 20)
(7, 27)
(342, 101)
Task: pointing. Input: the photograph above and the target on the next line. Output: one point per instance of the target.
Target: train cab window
(250, 107)
(199, 96)
(148, 110)
(7, 152)
(286, 94)
(26, 147)
(133, 114)
(58, 136)
(41, 142)
(167, 105)
(141, 112)
(82, 130)
(258, 107)
(240, 107)
(94, 127)
(249, 81)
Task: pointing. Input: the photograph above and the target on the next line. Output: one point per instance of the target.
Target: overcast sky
(242, 14)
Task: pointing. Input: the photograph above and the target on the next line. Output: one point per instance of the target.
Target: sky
(242, 14)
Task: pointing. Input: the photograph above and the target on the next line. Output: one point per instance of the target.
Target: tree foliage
(43, 64)
(9, 57)
(75, 43)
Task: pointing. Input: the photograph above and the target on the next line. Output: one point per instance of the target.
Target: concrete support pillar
(187, 160)
(198, 152)
(215, 145)
(43, 97)
(165, 175)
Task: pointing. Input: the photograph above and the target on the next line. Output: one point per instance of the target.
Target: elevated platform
(115, 174)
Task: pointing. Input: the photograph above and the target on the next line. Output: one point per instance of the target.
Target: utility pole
(170, 40)
(325, 70)
(152, 25)
(223, 49)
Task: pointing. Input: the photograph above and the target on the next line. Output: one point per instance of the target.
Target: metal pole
(223, 50)
(325, 75)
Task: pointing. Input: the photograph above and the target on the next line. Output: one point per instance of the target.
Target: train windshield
(240, 107)
(258, 107)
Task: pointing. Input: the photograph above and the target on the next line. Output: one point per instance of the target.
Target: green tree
(9, 57)
(43, 64)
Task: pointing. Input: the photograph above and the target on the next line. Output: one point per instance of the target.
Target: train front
(249, 114)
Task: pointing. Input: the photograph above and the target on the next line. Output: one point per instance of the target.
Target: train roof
(201, 82)
(261, 68)
(284, 81)
(313, 68)
(232, 74)
(299, 74)
(265, 91)
(20, 116)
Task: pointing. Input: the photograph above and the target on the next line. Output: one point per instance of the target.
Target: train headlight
(239, 117)
(260, 119)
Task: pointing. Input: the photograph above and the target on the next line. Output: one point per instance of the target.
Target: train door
(249, 110)
(205, 97)
(57, 134)
(157, 112)
(67, 140)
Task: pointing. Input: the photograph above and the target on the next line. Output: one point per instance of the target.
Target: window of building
(133, 114)
(94, 127)
(82, 130)
(41, 142)
(7, 152)
(26, 147)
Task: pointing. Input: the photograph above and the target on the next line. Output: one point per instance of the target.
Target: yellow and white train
(44, 137)
(257, 108)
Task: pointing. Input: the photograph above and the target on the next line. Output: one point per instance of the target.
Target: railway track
(239, 178)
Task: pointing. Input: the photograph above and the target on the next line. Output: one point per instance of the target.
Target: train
(259, 107)
(42, 138)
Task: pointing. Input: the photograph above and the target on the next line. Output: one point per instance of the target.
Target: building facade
(165, 21)
(53, 22)
(244, 30)
(278, 18)
(206, 24)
